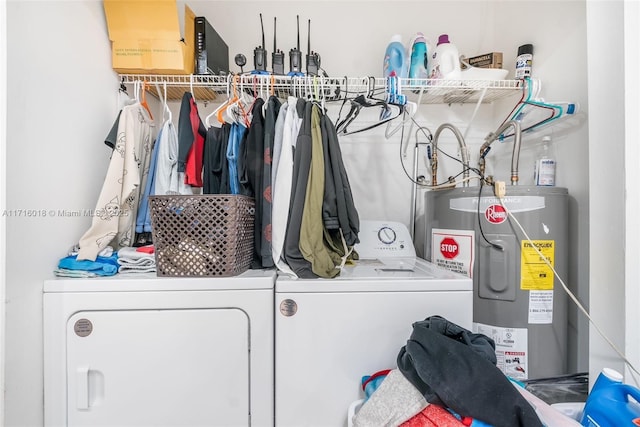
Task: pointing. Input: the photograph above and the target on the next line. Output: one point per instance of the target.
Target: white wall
(62, 102)
(3, 162)
(632, 176)
(606, 180)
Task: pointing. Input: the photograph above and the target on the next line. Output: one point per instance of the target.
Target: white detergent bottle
(445, 61)
(545, 167)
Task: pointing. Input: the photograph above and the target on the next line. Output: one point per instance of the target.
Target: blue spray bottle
(419, 55)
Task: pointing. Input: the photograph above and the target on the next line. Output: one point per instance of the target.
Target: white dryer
(331, 332)
(148, 351)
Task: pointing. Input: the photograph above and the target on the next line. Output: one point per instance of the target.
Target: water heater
(517, 300)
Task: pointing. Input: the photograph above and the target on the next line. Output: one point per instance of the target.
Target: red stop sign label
(449, 248)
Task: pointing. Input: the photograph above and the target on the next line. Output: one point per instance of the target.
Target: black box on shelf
(211, 52)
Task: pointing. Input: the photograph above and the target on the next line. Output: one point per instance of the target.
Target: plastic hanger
(528, 107)
(143, 100)
(232, 96)
(163, 99)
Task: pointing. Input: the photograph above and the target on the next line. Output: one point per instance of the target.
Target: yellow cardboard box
(145, 36)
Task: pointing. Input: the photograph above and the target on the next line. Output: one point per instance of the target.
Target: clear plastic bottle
(545, 167)
(445, 61)
(394, 58)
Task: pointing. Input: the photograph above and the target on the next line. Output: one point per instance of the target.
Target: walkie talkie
(313, 58)
(277, 57)
(260, 55)
(295, 56)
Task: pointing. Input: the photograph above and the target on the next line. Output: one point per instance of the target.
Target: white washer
(142, 350)
(331, 332)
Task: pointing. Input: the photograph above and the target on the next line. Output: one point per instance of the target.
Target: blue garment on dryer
(102, 266)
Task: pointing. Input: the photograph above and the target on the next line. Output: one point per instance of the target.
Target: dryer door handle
(82, 387)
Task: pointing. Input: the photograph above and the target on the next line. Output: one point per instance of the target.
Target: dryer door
(158, 367)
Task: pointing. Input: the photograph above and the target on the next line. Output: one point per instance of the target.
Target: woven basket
(202, 235)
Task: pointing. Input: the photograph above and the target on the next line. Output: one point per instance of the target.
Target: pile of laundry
(108, 262)
(446, 377)
(105, 264)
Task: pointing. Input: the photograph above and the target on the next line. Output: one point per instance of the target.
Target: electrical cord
(493, 245)
(567, 290)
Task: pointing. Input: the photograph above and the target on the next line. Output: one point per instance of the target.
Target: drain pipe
(515, 155)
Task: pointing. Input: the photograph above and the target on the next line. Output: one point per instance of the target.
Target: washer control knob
(387, 235)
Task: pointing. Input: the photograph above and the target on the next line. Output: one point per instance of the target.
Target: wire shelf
(423, 91)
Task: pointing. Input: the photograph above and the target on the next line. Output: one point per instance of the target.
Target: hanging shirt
(143, 219)
(312, 245)
(191, 135)
(116, 209)
(252, 172)
(301, 167)
(282, 181)
(270, 118)
(166, 179)
(233, 150)
(210, 175)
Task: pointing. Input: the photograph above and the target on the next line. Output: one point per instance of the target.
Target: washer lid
(382, 275)
(135, 282)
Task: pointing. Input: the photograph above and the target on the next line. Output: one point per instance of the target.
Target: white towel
(131, 256)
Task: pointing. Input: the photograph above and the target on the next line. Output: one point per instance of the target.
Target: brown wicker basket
(202, 235)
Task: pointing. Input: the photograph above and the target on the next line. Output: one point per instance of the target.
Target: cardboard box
(146, 38)
(488, 60)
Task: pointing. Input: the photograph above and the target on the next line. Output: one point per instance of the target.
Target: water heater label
(512, 348)
(541, 307)
(535, 274)
(453, 250)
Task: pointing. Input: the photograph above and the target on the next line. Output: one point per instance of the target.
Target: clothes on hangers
(117, 205)
(339, 213)
(310, 250)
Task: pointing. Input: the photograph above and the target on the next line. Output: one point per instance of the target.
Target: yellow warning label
(535, 274)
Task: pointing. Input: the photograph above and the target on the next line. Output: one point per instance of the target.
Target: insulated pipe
(515, 155)
(463, 152)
